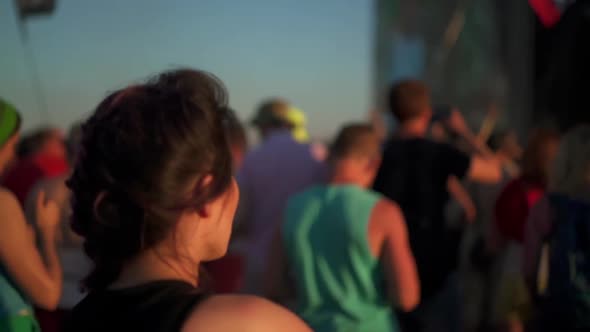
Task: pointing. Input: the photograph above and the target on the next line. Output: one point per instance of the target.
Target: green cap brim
(9, 121)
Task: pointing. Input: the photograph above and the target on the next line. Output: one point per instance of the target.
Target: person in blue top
(345, 247)
(556, 262)
(26, 277)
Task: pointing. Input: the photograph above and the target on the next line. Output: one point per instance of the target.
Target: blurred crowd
(155, 214)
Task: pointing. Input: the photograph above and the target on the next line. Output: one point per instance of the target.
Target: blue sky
(316, 53)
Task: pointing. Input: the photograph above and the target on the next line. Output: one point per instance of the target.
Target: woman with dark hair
(513, 205)
(26, 275)
(153, 196)
(519, 195)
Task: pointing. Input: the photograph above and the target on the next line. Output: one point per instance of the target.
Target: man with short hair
(340, 241)
(414, 173)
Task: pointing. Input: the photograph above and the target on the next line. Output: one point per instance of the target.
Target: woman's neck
(153, 265)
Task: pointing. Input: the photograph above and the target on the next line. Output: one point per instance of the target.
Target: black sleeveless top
(159, 306)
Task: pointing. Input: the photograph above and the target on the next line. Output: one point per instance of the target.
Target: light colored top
(339, 283)
(278, 168)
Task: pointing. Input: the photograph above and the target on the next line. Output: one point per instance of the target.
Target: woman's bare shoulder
(223, 313)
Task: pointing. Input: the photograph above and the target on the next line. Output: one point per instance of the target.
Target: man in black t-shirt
(414, 173)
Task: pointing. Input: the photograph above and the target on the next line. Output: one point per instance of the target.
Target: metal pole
(31, 60)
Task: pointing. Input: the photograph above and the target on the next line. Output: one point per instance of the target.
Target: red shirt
(21, 178)
(513, 206)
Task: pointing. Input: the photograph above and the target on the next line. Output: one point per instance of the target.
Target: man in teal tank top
(345, 247)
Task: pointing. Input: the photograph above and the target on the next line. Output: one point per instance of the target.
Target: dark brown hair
(143, 157)
(408, 99)
(33, 143)
(355, 140)
(536, 155)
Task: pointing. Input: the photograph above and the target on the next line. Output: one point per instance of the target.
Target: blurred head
(505, 142)
(571, 171)
(236, 136)
(10, 122)
(272, 115)
(539, 155)
(409, 102)
(44, 141)
(355, 154)
(154, 173)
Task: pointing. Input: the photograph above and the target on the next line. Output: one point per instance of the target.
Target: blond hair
(571, 170)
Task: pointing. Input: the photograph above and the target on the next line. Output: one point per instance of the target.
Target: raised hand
(48, 215)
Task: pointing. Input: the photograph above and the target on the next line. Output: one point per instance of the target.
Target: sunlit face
(7, 152)
(205, 233)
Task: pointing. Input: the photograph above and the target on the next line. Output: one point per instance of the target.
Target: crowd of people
(154, 214)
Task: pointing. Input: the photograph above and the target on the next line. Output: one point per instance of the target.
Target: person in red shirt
(519, 195)
(511, 303)
(42, 155)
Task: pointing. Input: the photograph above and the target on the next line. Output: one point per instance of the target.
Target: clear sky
(316, 53)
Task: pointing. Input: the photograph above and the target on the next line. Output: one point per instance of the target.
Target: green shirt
(12, 302)
(340, 285)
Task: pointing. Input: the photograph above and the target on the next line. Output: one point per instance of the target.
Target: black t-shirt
(159, 306)
(414, 174)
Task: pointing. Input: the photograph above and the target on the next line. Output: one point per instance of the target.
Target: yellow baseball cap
(298, 120)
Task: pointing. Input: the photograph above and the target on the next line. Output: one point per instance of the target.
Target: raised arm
(456, 123)
(40, 281)
(460, 194)
(453, 162)
(484, 170)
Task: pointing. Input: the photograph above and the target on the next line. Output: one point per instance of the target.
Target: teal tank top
(12, 302)
(340, 285)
